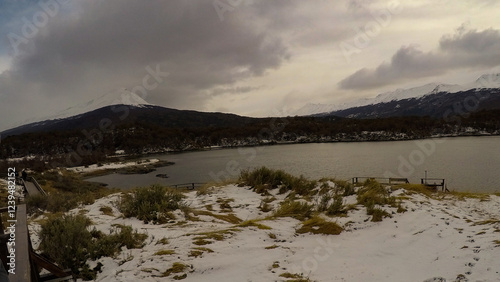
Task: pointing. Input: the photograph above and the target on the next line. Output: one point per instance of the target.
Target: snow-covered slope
(485, 81)
(120, 96)
(117, 97)
(450, 239)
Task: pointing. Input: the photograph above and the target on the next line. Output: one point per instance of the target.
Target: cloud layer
(464, 50)
(249, 57)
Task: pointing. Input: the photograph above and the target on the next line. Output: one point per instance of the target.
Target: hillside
(484, 82)
(117, 115)
(439, 105)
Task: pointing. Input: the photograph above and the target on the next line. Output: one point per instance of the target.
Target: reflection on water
(467, 163)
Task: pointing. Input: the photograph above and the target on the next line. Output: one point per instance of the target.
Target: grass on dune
(318, 225)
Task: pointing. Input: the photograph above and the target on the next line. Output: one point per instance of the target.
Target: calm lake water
(467, 163)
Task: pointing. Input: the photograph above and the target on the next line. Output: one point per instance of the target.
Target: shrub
(295, 209)
(323, 202)
(337, 206)
(58, 201)
(67, 241)
(262, 176)
(70, 244)
(265, 207)
(151, 204)
(300, 185)
(70, 182)
(373, 192)
(61, 202)
(35, 203)
(263, 179)
(347, 188)
(377, 213)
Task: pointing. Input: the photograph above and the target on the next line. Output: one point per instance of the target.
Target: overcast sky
(249, 57)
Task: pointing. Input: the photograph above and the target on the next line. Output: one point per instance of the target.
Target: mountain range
(121, 107)
(486, 81)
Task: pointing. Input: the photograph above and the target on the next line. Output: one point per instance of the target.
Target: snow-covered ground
(444, 238)
(115, 165)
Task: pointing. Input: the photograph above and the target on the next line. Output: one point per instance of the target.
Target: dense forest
(94, 145)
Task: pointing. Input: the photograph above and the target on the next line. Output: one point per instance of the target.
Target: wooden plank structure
(356, 180)
(431, 183)
(27, 261)
(23, 262)
(436, 182)
(189, 186)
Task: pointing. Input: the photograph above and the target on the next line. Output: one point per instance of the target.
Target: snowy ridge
(118, 97)
(485, 81)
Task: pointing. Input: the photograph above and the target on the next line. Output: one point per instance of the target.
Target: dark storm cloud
(109, 43)
(465, 50)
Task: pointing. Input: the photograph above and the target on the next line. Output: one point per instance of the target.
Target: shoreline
(174, 152)
(139, 166)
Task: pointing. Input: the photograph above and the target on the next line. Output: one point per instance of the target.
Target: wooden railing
(38, 187)
(356, 180)
(26, 261)
(190, 186)
(434, 183)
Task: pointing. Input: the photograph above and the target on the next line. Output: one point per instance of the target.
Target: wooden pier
(436, 183)
(27, 261)
(382, 180)
(431, 183)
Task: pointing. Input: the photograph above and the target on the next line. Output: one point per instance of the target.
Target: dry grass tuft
(206, 238)
(164, 252)
(231, 218)
(106, 210)
(485, 222)
(177, 267)
(317, 225)
(295, 209)
(255, 224)
(462, 196)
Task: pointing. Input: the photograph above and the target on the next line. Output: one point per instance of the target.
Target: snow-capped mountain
(485, 81)
(124, 108)
(117, 97)
(120, 96)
